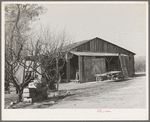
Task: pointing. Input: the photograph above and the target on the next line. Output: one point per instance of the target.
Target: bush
(140, 64)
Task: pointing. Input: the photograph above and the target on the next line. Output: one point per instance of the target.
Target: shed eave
(94, 54)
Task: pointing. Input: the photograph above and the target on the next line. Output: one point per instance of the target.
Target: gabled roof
(76, 44)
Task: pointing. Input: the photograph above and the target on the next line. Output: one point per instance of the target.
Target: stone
(29, 100)
(31, 85)
(26, 94)
(25, 90)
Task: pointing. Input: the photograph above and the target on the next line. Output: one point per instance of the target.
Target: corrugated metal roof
(95, 54)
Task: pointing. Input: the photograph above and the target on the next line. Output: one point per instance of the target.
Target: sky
(124, 24)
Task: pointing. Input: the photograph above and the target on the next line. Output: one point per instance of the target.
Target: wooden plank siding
(98, 45)
(88, 44)
(94, 45)
(115, 49)
(81, 70)
(105, 48)
(131, 65)
(111, 48)
(68, 70)
(108, 47)
(101, 46)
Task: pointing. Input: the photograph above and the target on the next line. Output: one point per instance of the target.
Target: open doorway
(73, 67)
(112, 64)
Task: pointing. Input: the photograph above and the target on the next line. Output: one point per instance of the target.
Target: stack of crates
(35, 92)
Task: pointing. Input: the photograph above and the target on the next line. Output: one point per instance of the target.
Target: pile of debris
(36, 91)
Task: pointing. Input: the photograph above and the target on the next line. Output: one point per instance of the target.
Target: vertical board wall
(93, 66)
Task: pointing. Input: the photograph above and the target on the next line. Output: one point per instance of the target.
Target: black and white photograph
(78, 60)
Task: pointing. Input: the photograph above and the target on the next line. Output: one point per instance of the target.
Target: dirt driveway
(130, 93)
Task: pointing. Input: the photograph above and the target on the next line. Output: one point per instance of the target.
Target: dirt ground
(130, 93)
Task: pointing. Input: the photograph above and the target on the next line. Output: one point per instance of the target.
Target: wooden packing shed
(96, 56)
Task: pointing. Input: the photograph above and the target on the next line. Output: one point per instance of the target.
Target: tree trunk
(57, 75)
(59, 80)
(57, 85)
(20, 92)
(16, 90)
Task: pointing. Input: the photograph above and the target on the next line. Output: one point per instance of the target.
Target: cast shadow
(50, 101)
(139, 74)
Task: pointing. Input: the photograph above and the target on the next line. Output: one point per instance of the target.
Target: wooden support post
(68, 70)
(119, 67)
(108, 60)
(108, 66)
(133, 66)
(80, 58)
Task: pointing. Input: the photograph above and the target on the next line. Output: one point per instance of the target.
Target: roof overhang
(95, 54)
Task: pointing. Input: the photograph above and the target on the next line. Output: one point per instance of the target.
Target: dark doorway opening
(112, 64)
(73, 66)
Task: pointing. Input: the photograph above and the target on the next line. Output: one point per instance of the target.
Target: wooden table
(113, 75)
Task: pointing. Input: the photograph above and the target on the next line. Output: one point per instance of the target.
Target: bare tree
(17, 20)
(24, 52)
(50, 53)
